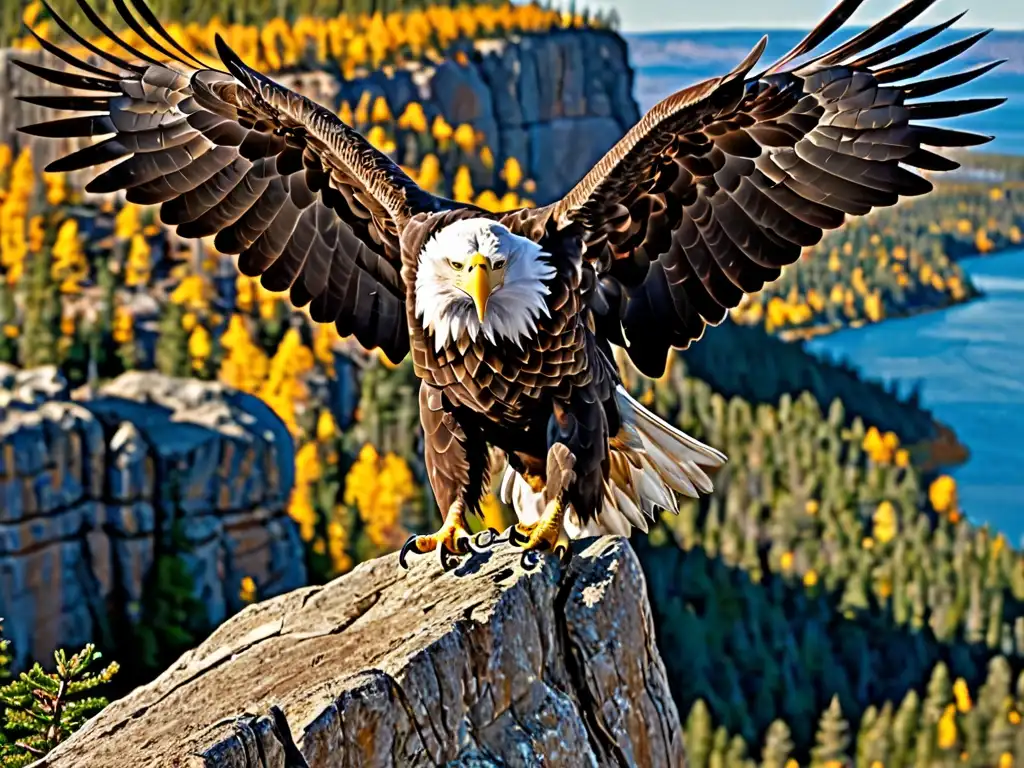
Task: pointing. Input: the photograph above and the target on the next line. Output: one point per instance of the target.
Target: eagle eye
(456, 265)
(499, 264)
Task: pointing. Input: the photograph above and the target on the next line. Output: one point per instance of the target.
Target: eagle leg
(450, 541)
(548, 534)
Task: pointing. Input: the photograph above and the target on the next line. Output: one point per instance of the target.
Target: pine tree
(736, 755)
(41, 300)
(719, 747)
(698, 735)
(938, 695)
(876, 745)
(106, 360)
(172, 357)
(8, 320)
(44, 708)
(778, 746)
(833, 739)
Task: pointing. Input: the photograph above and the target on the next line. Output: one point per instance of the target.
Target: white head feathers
(518, 266)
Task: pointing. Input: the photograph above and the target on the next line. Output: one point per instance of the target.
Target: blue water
(970, 362)
(667, 61)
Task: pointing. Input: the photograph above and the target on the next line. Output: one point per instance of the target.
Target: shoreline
(817, 331)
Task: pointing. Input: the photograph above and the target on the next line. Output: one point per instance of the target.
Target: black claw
(483, 541)
(409, 546)
(515, 537)
(530, 559)
(563, 553)
(449, 560)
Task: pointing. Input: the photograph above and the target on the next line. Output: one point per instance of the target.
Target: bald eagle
(511, 318)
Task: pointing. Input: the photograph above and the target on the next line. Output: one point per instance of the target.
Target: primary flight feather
(511, 318)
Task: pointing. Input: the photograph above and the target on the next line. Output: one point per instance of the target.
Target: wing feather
(721, 185)
(306, 202)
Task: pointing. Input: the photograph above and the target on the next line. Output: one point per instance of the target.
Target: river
(969, 360)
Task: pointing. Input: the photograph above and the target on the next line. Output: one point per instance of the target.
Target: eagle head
(476, 277)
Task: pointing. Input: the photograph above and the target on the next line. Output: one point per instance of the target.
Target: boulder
(487, 665)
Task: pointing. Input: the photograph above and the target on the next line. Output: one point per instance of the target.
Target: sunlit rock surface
(484, 666)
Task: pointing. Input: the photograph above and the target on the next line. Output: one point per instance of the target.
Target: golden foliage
(942, 494)
(200, 346)
(14, 213)
(69, 267)
(947, 730)
(379, 487)
(462, 188)
(137, 266)
(247, 590)
(885, 525)
(962, 695)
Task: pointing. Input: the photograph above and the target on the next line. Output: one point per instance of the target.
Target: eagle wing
(722, 184)
(304, 200)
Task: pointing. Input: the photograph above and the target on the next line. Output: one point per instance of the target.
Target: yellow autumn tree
(13, 215)
(512, 173)
(200, 346)
(413, 118)
(885, 525)
(245, 366)
(378, 487)
(942, 494)
(462, 186)
(283, 387)
(69, 266)
(138, 266)
(124, 324)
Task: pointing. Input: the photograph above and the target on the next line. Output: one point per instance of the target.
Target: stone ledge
(488, 665)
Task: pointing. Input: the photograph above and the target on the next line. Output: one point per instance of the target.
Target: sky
(653, 15)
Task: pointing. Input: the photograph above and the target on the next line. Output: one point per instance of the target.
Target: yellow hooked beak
(478, 283)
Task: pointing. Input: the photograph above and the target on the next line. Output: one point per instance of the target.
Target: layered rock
(93, 488)
(556, 102)
(487, 665)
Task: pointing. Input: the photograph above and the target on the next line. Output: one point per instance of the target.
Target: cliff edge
(486, 665)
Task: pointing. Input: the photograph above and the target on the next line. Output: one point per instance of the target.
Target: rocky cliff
(486, 665)
(94, 488)
(556, 101)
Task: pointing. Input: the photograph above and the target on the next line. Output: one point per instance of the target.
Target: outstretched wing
(307, 203)
(722, 184)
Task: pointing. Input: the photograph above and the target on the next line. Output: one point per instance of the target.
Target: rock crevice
(488, 665)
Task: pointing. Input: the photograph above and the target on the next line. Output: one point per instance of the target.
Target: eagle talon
(451, 541)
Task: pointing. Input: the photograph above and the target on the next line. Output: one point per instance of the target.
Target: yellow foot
(546, 535)
(453, 539)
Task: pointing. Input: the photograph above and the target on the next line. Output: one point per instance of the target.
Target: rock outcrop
(94, 488)
(486, 665)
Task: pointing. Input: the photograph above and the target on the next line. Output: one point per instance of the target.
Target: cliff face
(556, 102)
(94, 489)
(487, 665)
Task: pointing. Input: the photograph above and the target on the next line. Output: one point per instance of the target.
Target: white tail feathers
(651, 462)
